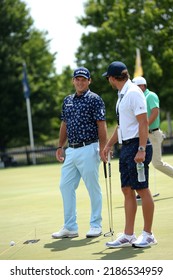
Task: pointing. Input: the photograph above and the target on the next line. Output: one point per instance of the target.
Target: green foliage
(20, 42)
(65, 87)
(164, 127)
(121, 26)
(117, 28)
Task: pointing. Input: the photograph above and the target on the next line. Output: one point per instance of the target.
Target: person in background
(156, 136)
(84, 126)
(132, 133)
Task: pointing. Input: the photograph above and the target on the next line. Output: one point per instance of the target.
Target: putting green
(31, 208)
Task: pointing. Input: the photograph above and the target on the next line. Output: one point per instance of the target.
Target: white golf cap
(139, 81)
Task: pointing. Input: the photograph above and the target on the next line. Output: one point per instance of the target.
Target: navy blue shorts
(127, 165)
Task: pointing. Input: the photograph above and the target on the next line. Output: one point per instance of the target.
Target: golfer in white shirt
(132, 133)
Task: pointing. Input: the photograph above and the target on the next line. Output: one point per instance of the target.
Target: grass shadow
(66, 243)
(120, 253)
(61, 245)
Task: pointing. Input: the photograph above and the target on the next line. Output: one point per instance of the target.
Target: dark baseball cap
(115, 69)
(82, 72)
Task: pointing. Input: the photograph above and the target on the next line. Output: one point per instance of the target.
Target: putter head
(109, 233)
(156, 194)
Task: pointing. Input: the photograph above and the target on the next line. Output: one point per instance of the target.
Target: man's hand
(60, 154)
(140, 156)
(105, 152)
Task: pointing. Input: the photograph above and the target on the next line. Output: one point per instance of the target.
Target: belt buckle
(73, 145)
(126, 142)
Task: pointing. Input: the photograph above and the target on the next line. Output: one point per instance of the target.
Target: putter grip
(105, 170)
(109, 164)
(109, 157)
(109, 169)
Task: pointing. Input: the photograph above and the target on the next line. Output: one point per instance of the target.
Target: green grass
(31, 208)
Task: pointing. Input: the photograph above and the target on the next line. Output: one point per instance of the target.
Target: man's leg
(147, 208)
(147, 238)
(130, 207)
(69, 182)
(87, 162)
(156, 139)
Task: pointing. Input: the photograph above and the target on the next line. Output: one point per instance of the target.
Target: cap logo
(81, 71)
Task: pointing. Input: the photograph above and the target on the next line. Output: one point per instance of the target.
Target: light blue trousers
(81, 163)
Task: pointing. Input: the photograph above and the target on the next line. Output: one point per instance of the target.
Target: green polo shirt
(152, 102)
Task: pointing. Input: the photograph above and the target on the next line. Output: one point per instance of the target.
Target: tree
(19, 42)
(65, 87)
(121, 26)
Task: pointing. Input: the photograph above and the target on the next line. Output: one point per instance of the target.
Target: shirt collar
(124, 89)
(81, 95)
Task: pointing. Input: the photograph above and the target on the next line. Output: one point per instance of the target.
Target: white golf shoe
(123, 240)
(94, 232)
(145, 240)
(65, 233)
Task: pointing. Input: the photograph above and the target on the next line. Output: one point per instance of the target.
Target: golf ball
(12, 243)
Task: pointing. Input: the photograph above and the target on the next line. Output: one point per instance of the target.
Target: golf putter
(109, 196)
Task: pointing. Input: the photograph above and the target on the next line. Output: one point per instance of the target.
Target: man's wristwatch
(59, 147)
(141, 149)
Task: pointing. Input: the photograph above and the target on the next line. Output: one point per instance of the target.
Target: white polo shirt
(131, 102)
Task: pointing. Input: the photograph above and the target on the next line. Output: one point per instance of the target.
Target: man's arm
(153, 116)
(143, 136)
(102, 134)
(62, 134)
(62, 141)
(113, 140)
